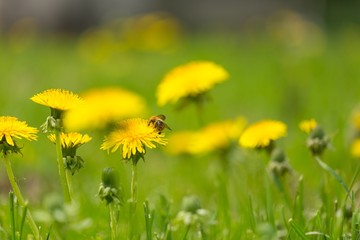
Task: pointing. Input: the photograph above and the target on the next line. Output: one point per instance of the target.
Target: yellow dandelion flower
(71, 139)
(103, 106)
(217, 136)
(308, 125)
(260, 134)
(133, 135)
(356, 119)
(58, 99)
(212, 137)
(180, 142)
(11, 127)
(355, 148)
(189, 80)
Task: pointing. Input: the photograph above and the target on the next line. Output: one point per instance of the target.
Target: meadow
(289, 75)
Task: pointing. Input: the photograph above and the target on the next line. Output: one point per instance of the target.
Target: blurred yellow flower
(355, 148)
(133, 135)
(71, 140)
(154, 31)
(11, 127)
(98, 45)
(189, 80)
(261, 134)
(57, 99)
(181, 142)
(308, 125)
(356, 119)
(103, 106)
(215, 136)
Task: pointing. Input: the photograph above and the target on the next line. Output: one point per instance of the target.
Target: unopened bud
(317, 141)
(190, 204)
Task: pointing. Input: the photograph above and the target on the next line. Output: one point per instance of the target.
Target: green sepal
(6, 148)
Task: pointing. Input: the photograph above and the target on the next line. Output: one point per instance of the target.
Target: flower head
(103, 106)
(133, 135)
(308, 125)
(215, 136)
(355, 119)
(181, 142)
(189, 80)
(355, 148)
(57, 99)
(11, 127)
(261, 134)
(71, 140)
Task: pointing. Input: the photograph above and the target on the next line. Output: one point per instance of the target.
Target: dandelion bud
(190, 204)
(109, 190)
(317, 141)
(109, 178)
(279, 164)
(348, 212)
(278, 155)
(73, 163)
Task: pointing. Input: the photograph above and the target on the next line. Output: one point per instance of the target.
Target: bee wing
(161, 116)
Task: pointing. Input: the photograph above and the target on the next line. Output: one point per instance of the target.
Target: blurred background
(76, 16)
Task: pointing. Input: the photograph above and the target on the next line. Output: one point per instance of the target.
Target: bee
(158, 122)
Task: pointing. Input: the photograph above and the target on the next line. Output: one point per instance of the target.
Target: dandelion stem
(17, 192)
(133, 188)
(68, 180)
(62, 173)
(113, 221)
(12, 215)
(133, 199)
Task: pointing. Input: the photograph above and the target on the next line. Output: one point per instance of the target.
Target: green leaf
(297, 229)
(333, 173)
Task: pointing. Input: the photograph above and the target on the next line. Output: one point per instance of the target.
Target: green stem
(133, 188)
(113, 221)
(133, 200)
(62, 173)
(12, 215)
(68, 180)
(16, 189)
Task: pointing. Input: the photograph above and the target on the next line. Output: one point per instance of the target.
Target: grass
(268, 80)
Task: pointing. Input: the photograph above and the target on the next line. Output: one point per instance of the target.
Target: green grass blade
(251, 215)
(297, 229)
(22, 223)
(12, 215)
(269, 204)
(355, 226)
(148, 220)
(298, 210)
(320, 234)
(48, 234)
(333, 173)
